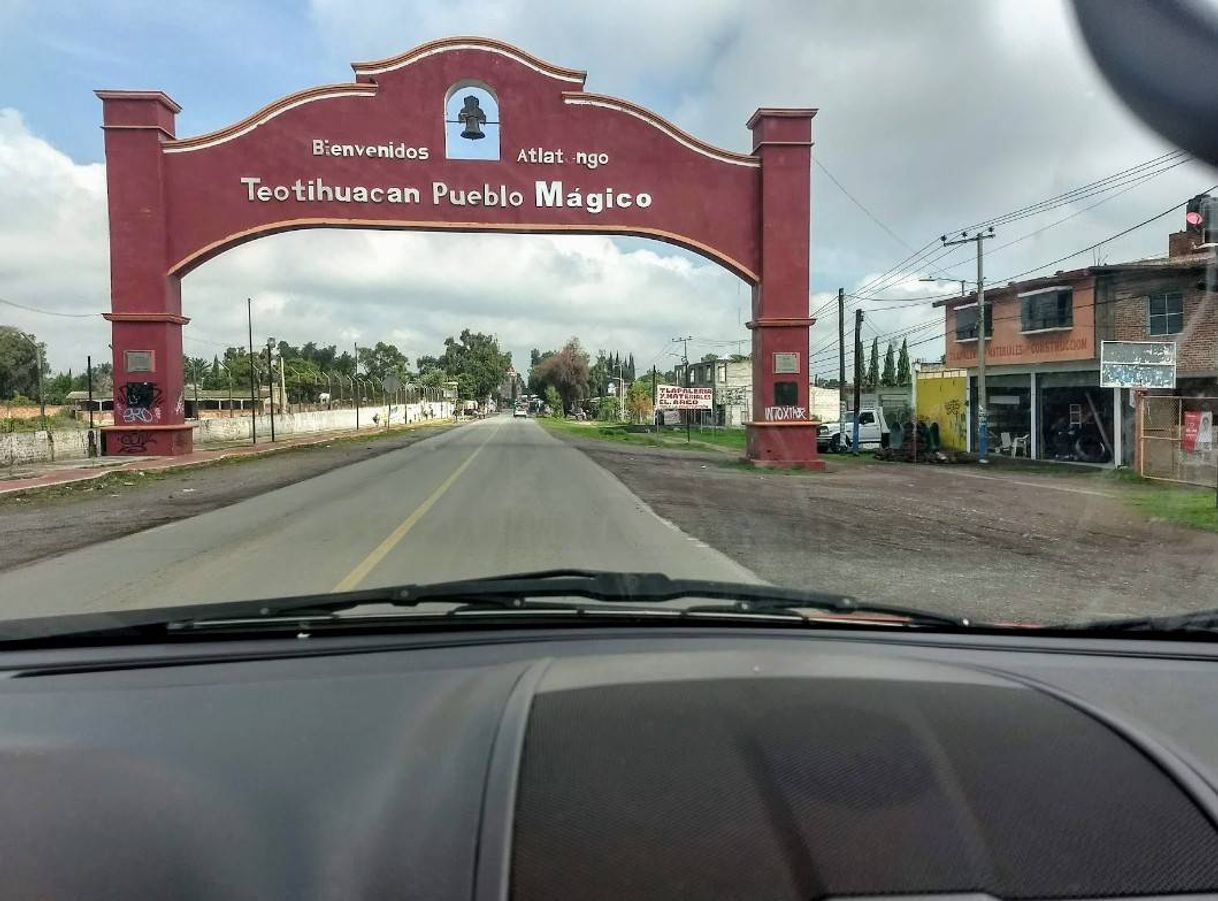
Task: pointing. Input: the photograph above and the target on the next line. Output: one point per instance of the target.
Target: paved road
(495, 496)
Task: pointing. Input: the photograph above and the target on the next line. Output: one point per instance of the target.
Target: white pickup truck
(832, 438)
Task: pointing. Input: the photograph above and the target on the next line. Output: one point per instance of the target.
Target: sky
(934, 115)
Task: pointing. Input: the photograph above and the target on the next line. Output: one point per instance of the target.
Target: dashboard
(619, 763)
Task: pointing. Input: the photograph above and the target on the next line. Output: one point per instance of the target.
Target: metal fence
(1162, 452)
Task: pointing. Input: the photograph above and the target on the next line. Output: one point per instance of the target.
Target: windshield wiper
(546, 592)
(529, 591)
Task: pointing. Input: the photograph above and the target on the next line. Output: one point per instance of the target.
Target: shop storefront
(1076, 418)
(1009, 413)
(1054, 415)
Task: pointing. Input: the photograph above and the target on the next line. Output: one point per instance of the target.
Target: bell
(472, 117)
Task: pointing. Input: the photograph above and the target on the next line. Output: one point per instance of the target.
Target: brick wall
(1197, 345)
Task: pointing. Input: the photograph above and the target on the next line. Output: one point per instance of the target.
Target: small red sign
(1192, 426)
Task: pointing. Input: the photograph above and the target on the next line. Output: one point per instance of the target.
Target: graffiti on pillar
(132, 442)
(139, 402)
(785, 414)
(179, 407)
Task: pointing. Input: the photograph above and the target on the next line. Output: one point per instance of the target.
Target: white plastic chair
(1020, 446)
(1007, 447)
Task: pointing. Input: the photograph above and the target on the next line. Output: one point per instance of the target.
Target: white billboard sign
(678, 397)
(1137, 364)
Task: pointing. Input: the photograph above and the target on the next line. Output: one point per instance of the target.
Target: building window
(1166, 314)
(966, 322)
(1052, 308)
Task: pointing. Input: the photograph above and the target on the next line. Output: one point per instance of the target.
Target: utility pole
(655, 394)
(92, 434)
(89, 369)
(270, 381)
(684, 342)
(283, 387)
(355, 390)
(198, 415)
(249, 312)
(841, 357)
(982, 400)
(858, 378)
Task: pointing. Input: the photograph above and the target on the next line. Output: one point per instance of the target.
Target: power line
(1120, 234)
(1127, 179)
(21, 306)
(1089, 189)
(870, 215)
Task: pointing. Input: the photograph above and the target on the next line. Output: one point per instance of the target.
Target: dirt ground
(57, 520)
(997, 546)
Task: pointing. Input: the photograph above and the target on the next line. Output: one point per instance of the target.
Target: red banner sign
(1192, 425)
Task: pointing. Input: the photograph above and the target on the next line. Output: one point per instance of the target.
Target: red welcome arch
(372, 154)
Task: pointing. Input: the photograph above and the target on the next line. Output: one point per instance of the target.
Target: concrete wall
(19, 448)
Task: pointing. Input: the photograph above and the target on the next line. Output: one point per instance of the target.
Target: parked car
(831, 438)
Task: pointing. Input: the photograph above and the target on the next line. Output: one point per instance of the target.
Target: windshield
(895, 302)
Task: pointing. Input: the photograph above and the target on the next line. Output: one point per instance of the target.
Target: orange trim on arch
(270, 111)
(461, 42)
(189, 262)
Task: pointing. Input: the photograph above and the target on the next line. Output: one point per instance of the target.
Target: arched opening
(471, 121)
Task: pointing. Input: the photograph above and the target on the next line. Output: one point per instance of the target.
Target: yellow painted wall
(941, 400)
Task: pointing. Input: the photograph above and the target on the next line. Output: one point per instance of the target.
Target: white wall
(19, 448)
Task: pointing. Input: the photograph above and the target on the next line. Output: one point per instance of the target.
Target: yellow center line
(391, 541)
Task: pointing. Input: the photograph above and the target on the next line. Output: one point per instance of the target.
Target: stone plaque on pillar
(786, 363)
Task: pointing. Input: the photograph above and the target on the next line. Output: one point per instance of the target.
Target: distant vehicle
(520, 411)
(831, 438)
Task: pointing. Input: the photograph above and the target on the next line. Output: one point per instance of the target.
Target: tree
(476, 362)
(382, 360)
(638, 401)
(19, 362)
(554, 402)
(537, 385)
(904, 376)
(888, 377)
(608, 410)
(567, 372)
(709, 358)
(872, 379)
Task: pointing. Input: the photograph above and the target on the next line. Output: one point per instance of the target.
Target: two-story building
(732, 379)
(1043, 338)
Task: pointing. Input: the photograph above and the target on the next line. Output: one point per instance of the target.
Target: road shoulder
(62, 518)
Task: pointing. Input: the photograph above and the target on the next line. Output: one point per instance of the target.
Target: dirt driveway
(996, 546)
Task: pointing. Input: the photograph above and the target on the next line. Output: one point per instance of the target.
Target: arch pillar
(782, 432)
(145, 302)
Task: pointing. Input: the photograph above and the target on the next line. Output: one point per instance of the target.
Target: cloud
(53, 247)
(416, 289)
(413, 289)
(933, 115)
